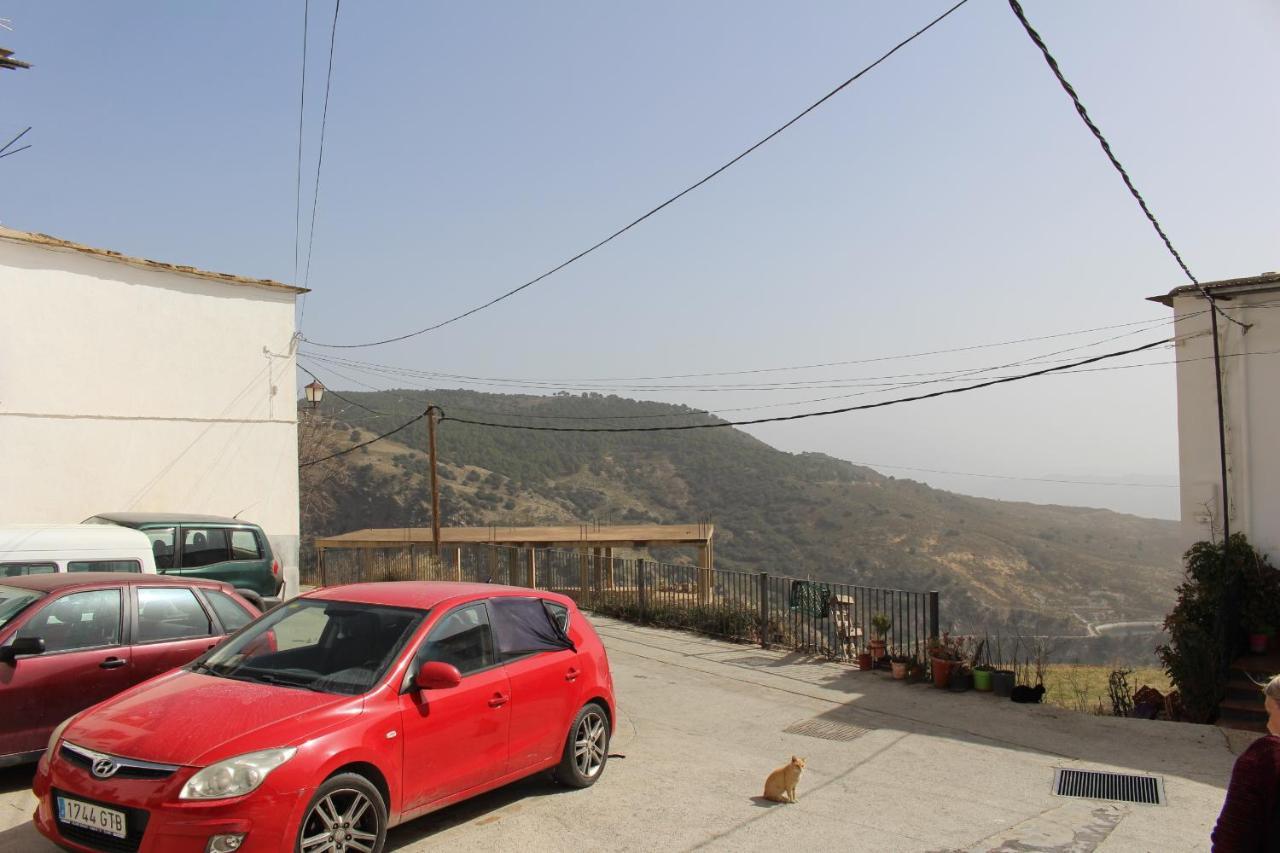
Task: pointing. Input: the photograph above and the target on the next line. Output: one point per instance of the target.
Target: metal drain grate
(1096, 785)
(825, 729)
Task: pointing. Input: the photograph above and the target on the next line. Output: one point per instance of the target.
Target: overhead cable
(624, 229)
(355, 447)
(1020, 479)
(328, 390)
(302, 110)
(802, 416)
(324, 120)
(1115, 162)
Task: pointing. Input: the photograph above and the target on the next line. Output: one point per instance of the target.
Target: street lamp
(315, 393)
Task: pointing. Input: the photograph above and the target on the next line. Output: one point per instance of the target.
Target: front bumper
(158, 822)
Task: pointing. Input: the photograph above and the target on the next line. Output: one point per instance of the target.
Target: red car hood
(188, 718)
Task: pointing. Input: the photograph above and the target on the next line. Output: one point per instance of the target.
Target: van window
(16, 570)
(203, 546)
(244, 545)
(161, 546)
(104, 566)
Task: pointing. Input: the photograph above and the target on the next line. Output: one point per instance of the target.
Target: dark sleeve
(1247, 814)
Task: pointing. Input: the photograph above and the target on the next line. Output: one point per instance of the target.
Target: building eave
(46, 241)
(1267, 282)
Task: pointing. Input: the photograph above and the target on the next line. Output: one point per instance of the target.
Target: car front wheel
(587, 749)
(346, 815)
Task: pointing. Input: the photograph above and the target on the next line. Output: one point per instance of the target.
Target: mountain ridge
(1045, 568)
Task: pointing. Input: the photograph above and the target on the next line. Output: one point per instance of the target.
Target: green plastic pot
(982, 680)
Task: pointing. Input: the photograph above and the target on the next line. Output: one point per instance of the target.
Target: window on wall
(170, 613)
(79, 620)
(203, 546)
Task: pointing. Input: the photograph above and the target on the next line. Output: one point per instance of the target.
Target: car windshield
(14, 600)
(326, 646)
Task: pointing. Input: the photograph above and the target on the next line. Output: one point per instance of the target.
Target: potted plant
(864, 661)
(982, 668)
(880, 624)
(917, 671)
(944, 654)
(1002, 677)
(961, 678)
(899, 663)
(1258, 619)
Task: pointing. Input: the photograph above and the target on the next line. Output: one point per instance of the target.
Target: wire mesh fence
(832, 620)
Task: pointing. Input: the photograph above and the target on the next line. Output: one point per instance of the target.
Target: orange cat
(781, 784)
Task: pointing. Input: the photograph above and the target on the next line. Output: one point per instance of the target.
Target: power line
(15, 139)
(597, 384)
(664, 204)
(324, 121)
(1115, 162)
(297, 189)
(802, 416)
(355, 447)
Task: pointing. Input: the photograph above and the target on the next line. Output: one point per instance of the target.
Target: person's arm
(1243, 824)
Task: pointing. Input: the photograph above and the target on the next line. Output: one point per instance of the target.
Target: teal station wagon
(209, 546)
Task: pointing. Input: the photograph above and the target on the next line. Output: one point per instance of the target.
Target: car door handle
(497, 701)
(113, 663)
(572, 674)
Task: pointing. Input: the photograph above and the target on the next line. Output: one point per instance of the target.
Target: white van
(48, 548)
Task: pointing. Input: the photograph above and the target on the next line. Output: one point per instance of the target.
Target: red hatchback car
(68, 641)
(332, 718)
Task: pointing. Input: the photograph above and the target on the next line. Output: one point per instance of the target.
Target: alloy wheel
(589, 744)
(342, 822)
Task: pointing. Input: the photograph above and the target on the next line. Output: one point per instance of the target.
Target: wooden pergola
(594, 542)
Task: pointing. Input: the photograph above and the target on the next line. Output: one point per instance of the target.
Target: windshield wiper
(201, 666)
(268, 678)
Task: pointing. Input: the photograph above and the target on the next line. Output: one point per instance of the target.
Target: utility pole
(435, 486)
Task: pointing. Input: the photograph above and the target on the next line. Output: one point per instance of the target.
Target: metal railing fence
(832, 620)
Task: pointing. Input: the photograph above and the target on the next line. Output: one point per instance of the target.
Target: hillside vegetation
(1048, 569)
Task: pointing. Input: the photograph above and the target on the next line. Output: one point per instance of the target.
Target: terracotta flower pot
(877, 649)
(899, 671)
(1258, 643)
(942, 672)
(864, 661)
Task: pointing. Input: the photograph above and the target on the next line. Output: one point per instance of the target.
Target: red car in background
(333, 717)
(68, 641)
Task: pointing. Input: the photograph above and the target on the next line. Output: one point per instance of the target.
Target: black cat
(1025, 694)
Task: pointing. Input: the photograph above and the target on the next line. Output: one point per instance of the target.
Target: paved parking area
(915, 769)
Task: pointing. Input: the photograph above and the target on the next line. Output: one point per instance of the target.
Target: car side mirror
(437, 675)
(22, 646)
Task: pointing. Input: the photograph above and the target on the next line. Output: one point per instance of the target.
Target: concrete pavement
(915, 769)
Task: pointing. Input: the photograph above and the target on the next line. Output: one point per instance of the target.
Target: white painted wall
(123, 388)
(1251, 384)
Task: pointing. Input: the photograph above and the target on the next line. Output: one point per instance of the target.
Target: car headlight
(235, 776)
(57, 733)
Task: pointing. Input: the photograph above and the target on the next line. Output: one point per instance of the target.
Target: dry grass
(1081, 687)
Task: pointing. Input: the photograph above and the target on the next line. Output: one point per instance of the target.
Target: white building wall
(126, 388)
(1251, 386)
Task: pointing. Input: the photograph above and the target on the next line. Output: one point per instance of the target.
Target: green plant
(1203, 634)
(881, 623)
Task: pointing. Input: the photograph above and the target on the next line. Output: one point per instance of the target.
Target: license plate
(89, 816)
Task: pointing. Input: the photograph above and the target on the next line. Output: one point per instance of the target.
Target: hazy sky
(950, 198)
